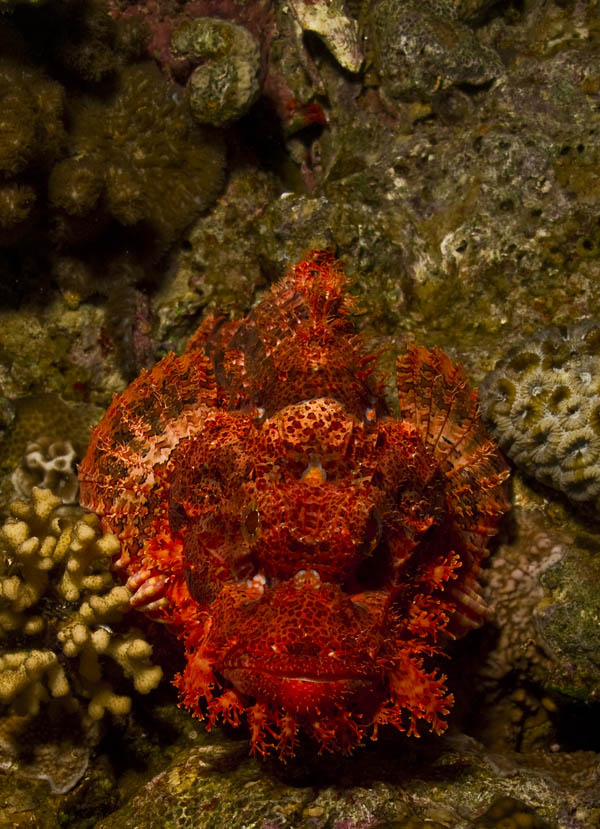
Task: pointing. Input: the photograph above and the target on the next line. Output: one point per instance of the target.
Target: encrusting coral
(60, 612)
(543, 404)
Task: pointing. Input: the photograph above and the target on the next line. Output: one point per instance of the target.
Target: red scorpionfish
(313, 552)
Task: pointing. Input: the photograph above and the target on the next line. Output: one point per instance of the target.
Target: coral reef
(543, 404)
(32, 135)
(434, 210)
(387, 787)
(197, 284)
(82, 39)
(41, 446)
(466, 211)
(420, 48)
(136, 158)
(225, 85)
(60, 613)
(101, 169)
(291, 77)
(48, 464)
(277, 517)
(101, 165)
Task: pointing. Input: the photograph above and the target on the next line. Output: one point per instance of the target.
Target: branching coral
(61, 612)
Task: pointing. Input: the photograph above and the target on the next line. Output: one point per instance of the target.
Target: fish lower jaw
(302, 694)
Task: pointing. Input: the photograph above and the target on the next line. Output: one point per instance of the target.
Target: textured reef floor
(165, 161)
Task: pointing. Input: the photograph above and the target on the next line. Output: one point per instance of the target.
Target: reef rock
(420, 48)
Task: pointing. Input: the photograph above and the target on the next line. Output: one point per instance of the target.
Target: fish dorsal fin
(139, 431)
(434, 396)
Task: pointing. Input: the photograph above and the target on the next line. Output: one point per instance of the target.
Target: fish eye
(177, 516)
(251, 525)
(372, 533)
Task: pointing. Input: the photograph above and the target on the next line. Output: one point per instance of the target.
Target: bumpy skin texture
(314, 553)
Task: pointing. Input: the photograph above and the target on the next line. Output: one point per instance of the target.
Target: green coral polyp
(524, 362)
(558, 397)
(548, 421)
(74, 185)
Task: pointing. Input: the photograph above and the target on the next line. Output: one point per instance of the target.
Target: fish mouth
(301, 693)
(316, 667)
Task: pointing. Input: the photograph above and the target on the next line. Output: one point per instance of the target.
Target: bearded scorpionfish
(314, 553)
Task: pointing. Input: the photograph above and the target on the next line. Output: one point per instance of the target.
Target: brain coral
(543, 403)
(226, 85)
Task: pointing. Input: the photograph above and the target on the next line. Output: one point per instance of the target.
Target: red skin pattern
(314, 553)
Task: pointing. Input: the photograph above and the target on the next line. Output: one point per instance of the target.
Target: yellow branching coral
(61, 614)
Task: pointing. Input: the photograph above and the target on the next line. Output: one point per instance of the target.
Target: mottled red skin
(314, 553)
